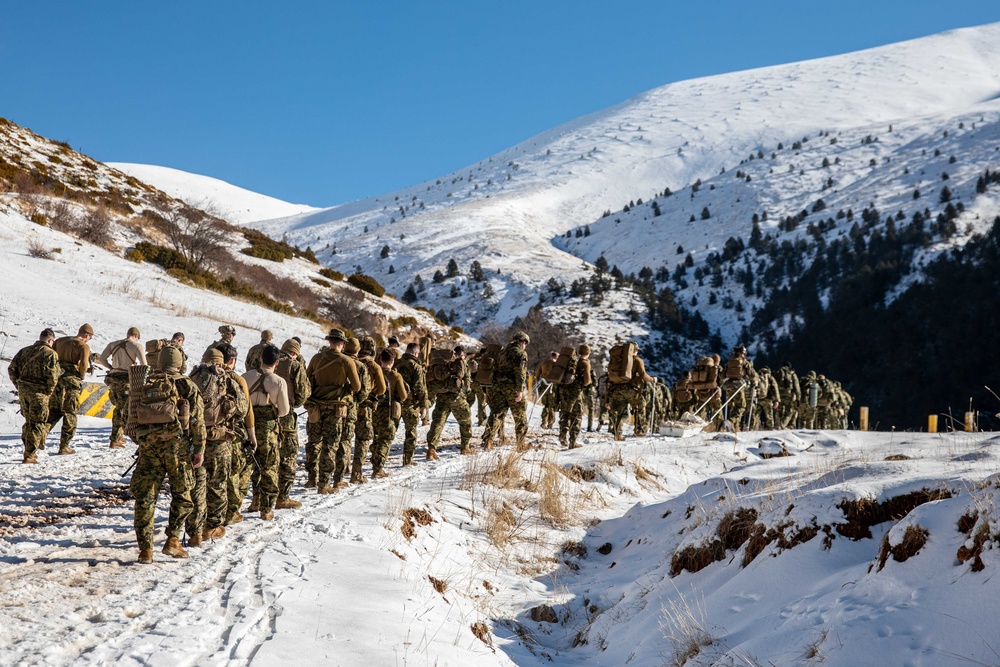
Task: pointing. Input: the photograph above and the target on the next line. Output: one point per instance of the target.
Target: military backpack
(487, 363)
(222, 400)
(159, 402)
(563, 370)
(620, 365)
(444, 372)
(735, 369)
(705, 374)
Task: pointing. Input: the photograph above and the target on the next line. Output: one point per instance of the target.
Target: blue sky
(326, 102)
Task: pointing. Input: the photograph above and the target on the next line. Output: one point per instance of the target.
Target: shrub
(37, 249)
(264, 247)
(366, 283)
(335, 276)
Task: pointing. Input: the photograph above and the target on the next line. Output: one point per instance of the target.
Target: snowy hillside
(230, 202)
(506, 210)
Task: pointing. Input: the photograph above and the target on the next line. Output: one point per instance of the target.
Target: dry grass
(38, 249)
(554, 502)
(683, 626)
(501, 524)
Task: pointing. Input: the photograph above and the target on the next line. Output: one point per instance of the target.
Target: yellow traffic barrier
(863, 425)
(932, 423)
(95, 401)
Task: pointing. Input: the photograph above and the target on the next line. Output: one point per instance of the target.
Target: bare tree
(347, 306)
(194, 234)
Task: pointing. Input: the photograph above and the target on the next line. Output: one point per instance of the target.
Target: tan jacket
(395, 384)
(121, 354)
(378, 377)
(274, 390)
(248, 420)
(331, 373)
(639, 372)
(73, 352)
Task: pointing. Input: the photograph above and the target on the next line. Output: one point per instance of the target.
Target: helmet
(739, 349)
(367, 346)
(520, 337)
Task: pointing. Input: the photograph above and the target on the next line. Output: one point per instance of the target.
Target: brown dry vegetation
(864, 513)
(412, 517)
(914, 539)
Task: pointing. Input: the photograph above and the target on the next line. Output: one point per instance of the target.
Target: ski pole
(728, 401)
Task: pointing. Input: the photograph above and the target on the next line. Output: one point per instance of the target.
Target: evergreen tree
(385, 251)
(410, 295)
(452, 269)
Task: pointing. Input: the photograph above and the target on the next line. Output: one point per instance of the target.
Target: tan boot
(67, 450)
(287, 504)
(194, 540)
(173, 548)
(311, 481)
(254, 505)
(118, 444)
(213, 533)
(236, 518)
(266, 514)
(325, 489)
(30, 459)
(432, 455)
(145, 556)
(381, 474)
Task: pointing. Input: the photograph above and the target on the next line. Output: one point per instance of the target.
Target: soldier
(224, 404)
(269, 401)
(360, 397)
(845, 400)
(602, 400)
(388, 410)
(226, 334)
(570, 395)
(449, 392)
(334, 379)
(412, 372)
(34, 370)
(545, 390)
(739, 380)
(707, 393)
(253, 356)
(477, 391)
(118, 357)
(640, 384)
(393, 344)
(177, 340)
(292, 370)
(825, 402)
(169, 450)
(363, 430)
(244, 444)
(809, 401)
(789, 396)
(590, 399)
(507, 392)
(768, 398)
(74, 359)
(684, 397)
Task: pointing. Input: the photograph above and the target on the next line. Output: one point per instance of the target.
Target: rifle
(135, 460)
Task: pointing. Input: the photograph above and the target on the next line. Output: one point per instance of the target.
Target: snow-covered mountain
(227, 201)
(880, 116)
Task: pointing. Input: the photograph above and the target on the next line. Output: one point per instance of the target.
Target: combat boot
(287, 504)
(356, 476)
(173, 548)
(194, 540)
(340, 485)
(380, 474)
(66, 450)
(30, 459)
(311, 481)
(432, 455)
(465, 451)
(325, 489)
(254, 505)
(266, 514)
(145, 556)
(118, 444)
(213, 533)
(235, 518)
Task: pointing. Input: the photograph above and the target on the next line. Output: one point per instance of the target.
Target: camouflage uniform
(620, 397)
(590, 400)
(74, 358)
(334, 379)
(509, 377)
(118, 357)
(809, 401)
(768, 395)
(570, 397)
(384, 424)
(739, 382)
(293, 372)
(360, 397)
(789, 395)
(602, 399)
(684, 398)
(264, 474)
(253, 354)
(34, 370)
(412, 372)
(240, 463)
(478, 395)
(640, 383)
(449, 398)
(364, 429)
(165, 451)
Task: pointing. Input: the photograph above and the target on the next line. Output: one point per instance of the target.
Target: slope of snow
(229, 202)
(505, 210)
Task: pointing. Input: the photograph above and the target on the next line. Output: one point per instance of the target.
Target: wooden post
(863, 423)
(932, 423)
(970, 422)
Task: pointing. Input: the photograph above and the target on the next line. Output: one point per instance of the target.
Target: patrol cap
(265, 336)
(352, 346)
(336, 334)
(367, 345)
(212, 356)
(227, 329)
(291, 346)
(393, 340)
(169, 357)
(86, 329)
(132, 331)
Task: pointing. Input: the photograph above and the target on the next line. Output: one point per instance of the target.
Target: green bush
(264, 247)
(366, 283)
(320, 282)
(135, 255)
(335, 276)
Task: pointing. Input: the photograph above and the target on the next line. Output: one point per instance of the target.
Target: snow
(229, 202)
